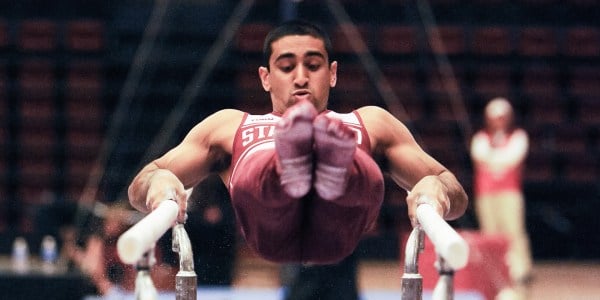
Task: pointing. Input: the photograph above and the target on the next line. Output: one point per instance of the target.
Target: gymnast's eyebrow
(314, 53)
(307, 54)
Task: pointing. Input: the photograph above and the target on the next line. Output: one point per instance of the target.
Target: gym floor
(552, 279)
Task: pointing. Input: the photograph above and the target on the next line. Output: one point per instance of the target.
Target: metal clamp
(185, 280)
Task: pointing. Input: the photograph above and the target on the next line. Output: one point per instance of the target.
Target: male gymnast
(302, 179)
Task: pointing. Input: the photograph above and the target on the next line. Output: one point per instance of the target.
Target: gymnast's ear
(333, 74)
(263, 73)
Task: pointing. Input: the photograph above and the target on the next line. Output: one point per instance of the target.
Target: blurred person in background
(498, 152)
(92, 249)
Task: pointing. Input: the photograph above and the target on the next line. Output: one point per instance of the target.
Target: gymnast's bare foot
(335, 145)
(293, 143)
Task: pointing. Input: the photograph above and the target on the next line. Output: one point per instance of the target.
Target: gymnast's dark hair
(294, 27)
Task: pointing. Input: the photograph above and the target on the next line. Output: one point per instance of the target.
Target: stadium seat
(78, 170)
(402, 77)
(443, 107)
(540, 166)
(581, 167)
(250, 37)
(540, 79)
(85, 35)
(570, 139)
(588, 111)
(439, 136)
(453, 40)
(341, 43)
(581, 41)
(438, 83)
(38, 35)
(537, 41)
(583, 80)
(492, 80)
(36, 79)
(491, 41)
(352, 77)
(38, 112)
(81, 141)
(83, 103)
(545, 108)
(398, 40)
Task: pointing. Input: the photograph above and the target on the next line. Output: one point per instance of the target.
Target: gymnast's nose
(301, 78)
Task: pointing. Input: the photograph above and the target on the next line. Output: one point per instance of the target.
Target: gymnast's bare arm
(185, 165)
(411, 167)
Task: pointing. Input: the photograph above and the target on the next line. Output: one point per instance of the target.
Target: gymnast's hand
(164, 185)
(429, 190)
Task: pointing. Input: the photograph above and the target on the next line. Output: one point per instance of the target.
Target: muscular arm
(412, 168)
(185, 165)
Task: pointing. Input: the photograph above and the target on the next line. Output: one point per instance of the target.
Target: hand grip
(447, 242)
(142, 236)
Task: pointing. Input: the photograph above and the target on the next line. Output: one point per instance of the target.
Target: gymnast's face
(299, 69)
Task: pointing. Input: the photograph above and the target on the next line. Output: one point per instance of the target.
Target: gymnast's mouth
(302, 95)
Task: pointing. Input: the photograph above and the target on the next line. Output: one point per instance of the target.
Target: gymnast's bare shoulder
(384, 129)
(217, 130)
